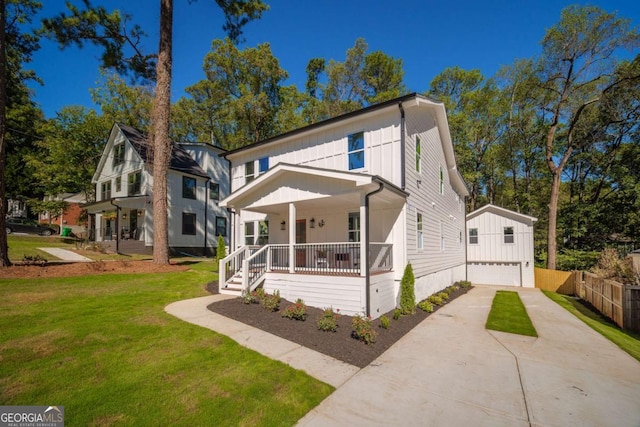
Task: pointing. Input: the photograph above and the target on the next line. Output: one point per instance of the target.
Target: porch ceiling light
(124, 216)
(283, 225)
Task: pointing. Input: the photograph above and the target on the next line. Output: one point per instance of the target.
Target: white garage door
(494, 273)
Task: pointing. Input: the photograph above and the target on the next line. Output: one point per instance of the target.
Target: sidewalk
(450, 371)
(66, 255)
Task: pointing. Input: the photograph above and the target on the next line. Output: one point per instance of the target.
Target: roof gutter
(367, 238)
(403, 149)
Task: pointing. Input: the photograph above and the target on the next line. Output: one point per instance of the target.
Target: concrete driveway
(450, 371)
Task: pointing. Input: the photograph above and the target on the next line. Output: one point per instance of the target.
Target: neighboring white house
(333, 212)
(500, 247)
(197, 180)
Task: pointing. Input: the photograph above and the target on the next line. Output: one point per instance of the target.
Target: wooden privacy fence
(618, 302)
(562, 282)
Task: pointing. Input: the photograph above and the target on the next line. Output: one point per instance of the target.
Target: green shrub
(271, 302)
(397, 313)
(385, 322)
(465, 284)
(362, 330)
(407, 291)
(443, 295)
(425, 306)
(435, 300)
(251, 297)
(329, 320)
(297, 311)
(221, 250)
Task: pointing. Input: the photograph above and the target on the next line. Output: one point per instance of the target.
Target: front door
(301, 237)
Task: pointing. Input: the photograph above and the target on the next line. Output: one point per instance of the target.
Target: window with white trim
(134, 183)
(473, 236)
(249, 172)
(441, 180)
(354, 226)
(508, 235)
(418, 155)
(355, 150)
(105, 190)
(249, 233)
(118, 154)
(214, 191)
(419, 231)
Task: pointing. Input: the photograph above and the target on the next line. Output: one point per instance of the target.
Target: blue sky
(427, 35)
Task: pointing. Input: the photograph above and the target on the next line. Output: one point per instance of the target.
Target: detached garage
(500, 247)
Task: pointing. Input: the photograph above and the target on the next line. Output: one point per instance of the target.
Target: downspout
(403, 149)
(206, 210)
(117, 226)
(367, 272)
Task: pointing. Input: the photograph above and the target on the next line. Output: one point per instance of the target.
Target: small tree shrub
(329, 320)
(407, 291)
(397, 313)
(297, 311)
(221, 250)
(362, 330)
(443, 295)
(385, 323)
(271, 302)
(425, 306)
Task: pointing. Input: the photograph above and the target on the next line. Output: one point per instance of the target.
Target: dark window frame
(187, 225)
(189, 192)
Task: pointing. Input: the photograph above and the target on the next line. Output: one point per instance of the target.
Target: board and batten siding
(491, 246)
(433, 267)
(327, 148)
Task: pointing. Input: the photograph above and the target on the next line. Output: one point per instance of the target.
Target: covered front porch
(323, 236)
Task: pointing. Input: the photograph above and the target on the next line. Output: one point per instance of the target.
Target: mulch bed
(339, 345)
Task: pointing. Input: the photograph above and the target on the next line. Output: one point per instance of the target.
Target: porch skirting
(344, 293)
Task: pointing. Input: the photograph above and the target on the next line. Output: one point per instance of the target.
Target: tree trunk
(4, 249)
(161, 142)
(552, 245)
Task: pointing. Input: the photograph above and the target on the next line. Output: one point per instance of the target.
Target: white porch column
(292, 237)
(364, 225)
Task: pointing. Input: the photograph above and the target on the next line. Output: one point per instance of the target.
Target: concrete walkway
(318, 365)
(450, 371)
(66, 255)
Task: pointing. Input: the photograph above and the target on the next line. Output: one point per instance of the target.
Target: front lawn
(103, 347)
(508, 314)
(21, 246)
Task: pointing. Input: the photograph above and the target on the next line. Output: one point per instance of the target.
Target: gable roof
(409, 100)
(516, 216)
(181, 161)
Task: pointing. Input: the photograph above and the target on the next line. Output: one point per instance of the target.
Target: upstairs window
(356, 150)
(105, 190)
(418, 155)
(354, 226)
(134, 183)
(419, 231)
(118, 154)
(188, 188)
(214, 191)
(441, 181)
(508, 234)
(473, 236)
(118, 184)
(249, 172)
(263, 165)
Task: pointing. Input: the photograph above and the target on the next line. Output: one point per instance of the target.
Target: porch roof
(312, 187)
(133, 202)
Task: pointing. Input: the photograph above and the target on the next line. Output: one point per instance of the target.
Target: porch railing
(252, 262)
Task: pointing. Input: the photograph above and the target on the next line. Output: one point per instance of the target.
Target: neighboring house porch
(322, 235)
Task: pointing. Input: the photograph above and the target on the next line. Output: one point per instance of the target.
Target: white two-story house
(333, 212)
(197, 180)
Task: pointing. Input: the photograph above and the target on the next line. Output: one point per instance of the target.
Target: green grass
(508, 314)
(627, 341)
(103, 347)
(21, 246)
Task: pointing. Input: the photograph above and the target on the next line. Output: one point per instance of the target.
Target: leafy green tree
(70, 150)
(577, 55)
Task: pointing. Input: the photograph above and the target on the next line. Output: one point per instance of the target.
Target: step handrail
(254, 268)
